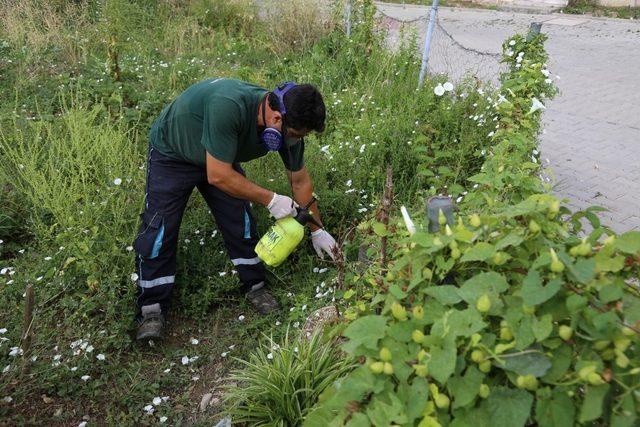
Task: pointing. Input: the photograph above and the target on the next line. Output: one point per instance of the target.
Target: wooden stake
(387, 200)
(27, 323)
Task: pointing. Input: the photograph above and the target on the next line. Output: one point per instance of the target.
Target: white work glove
(322, 241)
(281, 206)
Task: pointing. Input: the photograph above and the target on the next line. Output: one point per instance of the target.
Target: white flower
(48, 258)
(15, 351)
(304, 307)
(117, 181)
(545, 72)
(439, 90)
(149, 409)
(157, 401)
(3, 330)
(100, 356)
(512, 42)
(75, 368)
(194, 341)
(163, 419)
(134, 277)
(536, 105)
(185, 360)
(278, 323)
(295, 349)
(8, 399)
(448, 86)
(166, 371)
(222, 273)
(224, 354)
(270, 356)
(83, 424)
(85, 377)
(349, 183)
(129, 248)
(241, 317)
(6, 369)
(89, 349)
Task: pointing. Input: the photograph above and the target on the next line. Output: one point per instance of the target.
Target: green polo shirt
(219, 117)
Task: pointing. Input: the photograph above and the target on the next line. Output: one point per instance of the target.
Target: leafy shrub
(505, 317)
(281, 382)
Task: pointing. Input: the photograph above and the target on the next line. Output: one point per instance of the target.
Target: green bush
(505, 317)
(280, 382)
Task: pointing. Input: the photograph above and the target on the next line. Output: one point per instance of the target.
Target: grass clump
(280, 382)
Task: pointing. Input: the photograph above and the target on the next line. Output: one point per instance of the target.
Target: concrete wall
(619, 3)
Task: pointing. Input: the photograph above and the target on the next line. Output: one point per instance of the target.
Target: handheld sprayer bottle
(284, 236)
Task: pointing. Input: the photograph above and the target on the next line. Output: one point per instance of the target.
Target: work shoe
(151, 324)
(262, 300)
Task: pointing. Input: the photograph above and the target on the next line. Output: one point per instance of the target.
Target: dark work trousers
(169, 185)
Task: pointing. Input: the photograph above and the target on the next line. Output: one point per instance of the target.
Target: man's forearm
(236, 185)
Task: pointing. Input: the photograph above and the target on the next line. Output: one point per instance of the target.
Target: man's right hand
(282, 206)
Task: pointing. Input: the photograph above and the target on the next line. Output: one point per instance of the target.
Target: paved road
(592, 128)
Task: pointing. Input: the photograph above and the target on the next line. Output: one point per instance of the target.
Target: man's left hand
(323, 242)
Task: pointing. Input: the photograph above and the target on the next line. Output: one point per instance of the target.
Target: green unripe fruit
(385, 354)
(635, 371)
(418, 312)
(398, 311)
(565, 332)
(628, 332)
(417, 336)
(527, 309)
(483, 304)
(499, 258)
(447, 230)
(609, 240)
(557, 266)
(442, 220)
(528, 382)
(427, 273)
(534, 227)
(377, 367)
(388, 368)
(595, 379)
(622, 343)
(574, 251)
(586, 371)
(455, 253)
(601, 344)
(478, 356)
(390, 276)
(484, 391)
(554, 207)
(421, 370)
(584, 249)
(453, 245)
(421, 354)
(506, 334)
(485, 366)
(475, 220)
(437, 241)
(622, 360)
(608, 354)
(475, 339)
(442, 401)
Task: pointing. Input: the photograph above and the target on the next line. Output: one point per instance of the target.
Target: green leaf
(524, 333)
(542, 327)
(380, 229)
(584, 270)
(508, 407)
(466, 323)
(481, 251)
(490, 283)
(593, 400)
(556, 411)
(604, 262)
(629, 242)
(533, 293)
(603, 320)
(610, 293)
(414, 397)
(365, 331)
(536, 364)
(511, 239)
(358, 420)
(386, 410)
(631, 308)
(464, 389)
(576, 302)
(444, 294)
(560, 363)
(443, 360)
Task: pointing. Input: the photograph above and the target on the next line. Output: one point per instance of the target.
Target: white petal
(157, 401)
(439, 90)
(117, 181)
(448, 86)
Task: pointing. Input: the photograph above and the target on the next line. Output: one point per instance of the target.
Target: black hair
(305, 108)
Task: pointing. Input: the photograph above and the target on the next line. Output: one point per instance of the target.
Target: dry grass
(38, 25)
